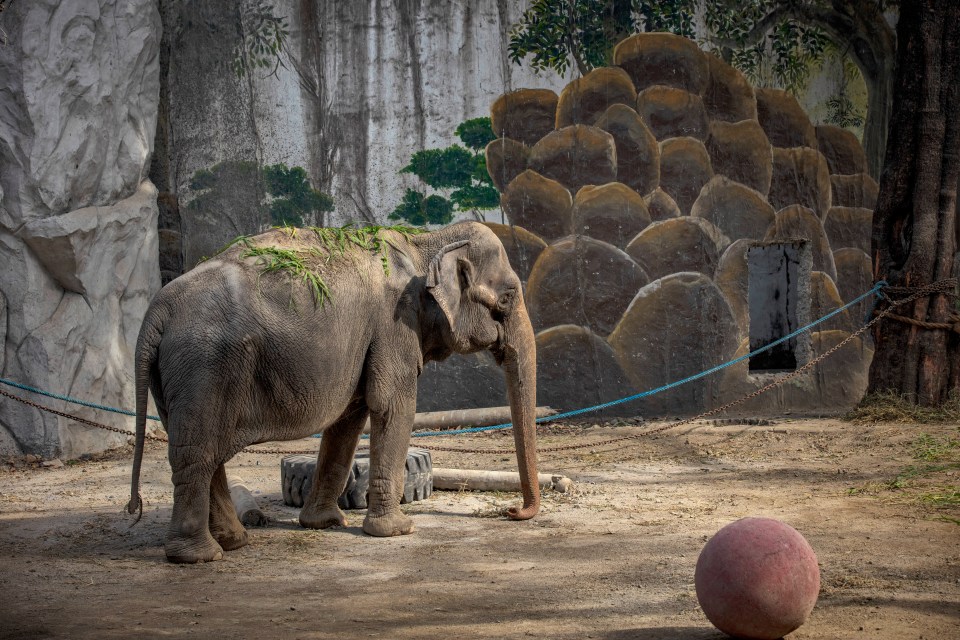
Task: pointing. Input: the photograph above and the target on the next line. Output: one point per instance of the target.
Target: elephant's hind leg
(337, 447)
(224, 524)
(188, 538)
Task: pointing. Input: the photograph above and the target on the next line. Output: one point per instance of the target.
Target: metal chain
(942, 286)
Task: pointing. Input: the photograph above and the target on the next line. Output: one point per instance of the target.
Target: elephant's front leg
(337, 447)
(389, 438)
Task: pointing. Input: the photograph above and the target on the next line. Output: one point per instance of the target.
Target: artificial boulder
(729, 97)
(844, 154)
(741, 152)
(576, 368)
(849, 227)
(672, 112)
(522, 247)
(675, 327)
(525, 115)
(661, 206)
(612, 212)
(638, 154)
(585, 99)
(575, 156)
(737, 210)
(684, 169)
(800, 176)
(732, 277)
(857, 190)
(539, 204)
(825, 299)
(854, 278)
(663, 58)
(678, 244)
(470, 381)
(784, 120)
(506, 159)
(797, 222)
(583, 281)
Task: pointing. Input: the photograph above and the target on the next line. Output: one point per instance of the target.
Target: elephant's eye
(506, 299)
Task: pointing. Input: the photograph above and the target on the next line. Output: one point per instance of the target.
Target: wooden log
(483, 417)
(245, 504)
(478, 480)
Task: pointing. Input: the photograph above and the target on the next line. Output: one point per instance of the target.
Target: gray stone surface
(575, 156)
(78, 221)
(638, 154)
(675, 327)
(729, 97)
(854, 278)
(582, 281)
(784, 120)
(849, 227)
(795, 222)
(585, 99)
(732, 277)
(672, 112)
(857, 190)
(525, 115)
(612, 212)
(461, 382)
(538, 204)
(576, 368)
(684, 169)
(506, 159)
(800, 176)
(663, 58)
(741, 152)
(736, 209)
(678, 244)
(842, 149)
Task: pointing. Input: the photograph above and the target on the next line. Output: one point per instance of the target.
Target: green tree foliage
(283, 192)
(554, 32)
(263, 35)
(460, 171)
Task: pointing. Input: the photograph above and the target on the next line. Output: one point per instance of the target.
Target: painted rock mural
(634, 196)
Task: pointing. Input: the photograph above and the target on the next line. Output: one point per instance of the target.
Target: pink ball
(758, 579)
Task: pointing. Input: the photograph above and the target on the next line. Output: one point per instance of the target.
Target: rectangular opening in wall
(774, 297)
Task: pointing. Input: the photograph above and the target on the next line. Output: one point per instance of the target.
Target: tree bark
(914, 225)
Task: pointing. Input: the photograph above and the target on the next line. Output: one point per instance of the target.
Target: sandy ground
(613, 560)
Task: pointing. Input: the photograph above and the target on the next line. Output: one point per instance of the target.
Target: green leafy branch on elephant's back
(302, 261)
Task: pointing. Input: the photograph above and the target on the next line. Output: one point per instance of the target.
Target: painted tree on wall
(915, 224)
(555, 32)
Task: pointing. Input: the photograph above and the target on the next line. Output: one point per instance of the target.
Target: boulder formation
(699, 169)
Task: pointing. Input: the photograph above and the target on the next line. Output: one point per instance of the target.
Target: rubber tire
(296, 479)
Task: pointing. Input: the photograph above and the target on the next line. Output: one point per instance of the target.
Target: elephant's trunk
(520, 366)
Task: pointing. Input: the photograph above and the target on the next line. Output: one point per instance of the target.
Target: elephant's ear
(447, 277)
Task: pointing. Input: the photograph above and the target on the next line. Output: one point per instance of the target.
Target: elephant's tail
(146, 356)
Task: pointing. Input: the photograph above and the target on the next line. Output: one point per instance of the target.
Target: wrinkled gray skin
(234, 357)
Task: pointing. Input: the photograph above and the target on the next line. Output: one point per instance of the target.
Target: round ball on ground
(757, 579)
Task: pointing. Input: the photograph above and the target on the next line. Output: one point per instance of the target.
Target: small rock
(562, 484)
(56, 463)
(31, 459)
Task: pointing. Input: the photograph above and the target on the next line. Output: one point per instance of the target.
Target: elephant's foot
(390, 524)
(322, 518)
(190, 550)
(230, 540)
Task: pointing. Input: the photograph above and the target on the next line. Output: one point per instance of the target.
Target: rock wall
(78, 216)
(646, 280)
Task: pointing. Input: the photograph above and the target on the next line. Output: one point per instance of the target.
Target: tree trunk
(914, 226)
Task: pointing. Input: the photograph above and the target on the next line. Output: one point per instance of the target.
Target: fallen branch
(476, 480)
(484, 417)
(246, 506)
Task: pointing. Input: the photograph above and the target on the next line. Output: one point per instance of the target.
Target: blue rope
(576, 412)
(875, 291)
(57, 396)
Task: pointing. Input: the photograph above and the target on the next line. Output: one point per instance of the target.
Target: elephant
(295, 332)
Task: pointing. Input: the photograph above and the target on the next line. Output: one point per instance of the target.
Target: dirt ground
(613, 560)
